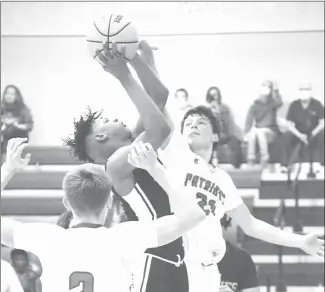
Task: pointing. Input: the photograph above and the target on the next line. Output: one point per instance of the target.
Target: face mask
(304, 94)
(265, 90)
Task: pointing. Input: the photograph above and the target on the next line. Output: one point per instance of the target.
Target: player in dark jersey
(100, 140)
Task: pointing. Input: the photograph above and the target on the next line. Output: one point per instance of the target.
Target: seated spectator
(237, 269)
(230, 133)
(16, 118)
(305, 125)
(261, 123)
(182, 105)
(28, 273)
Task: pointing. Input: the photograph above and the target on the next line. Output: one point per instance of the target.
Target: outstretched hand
(313, 245)
(15, 147)
(142, 155)
(112, 61)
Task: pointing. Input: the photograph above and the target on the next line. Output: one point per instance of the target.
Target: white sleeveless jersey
(214, 191)
(86, 259)
(9, 279)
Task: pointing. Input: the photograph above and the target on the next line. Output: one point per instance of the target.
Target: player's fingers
(130, 159)
(18, 145)
(20, 149)
(134, 153)
(138, 148)
(144, 149)
(114, 49)
(149, 147)
(101, 57)
(9, 145)
(27, 158)
(122, 55)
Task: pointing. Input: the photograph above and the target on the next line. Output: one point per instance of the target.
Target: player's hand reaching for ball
(113, 62)
(142, 155)
(14, 161)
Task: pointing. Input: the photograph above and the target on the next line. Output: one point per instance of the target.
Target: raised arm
(145, 67)
(155, 125)
(266, 232)
(14, 162)
(187, 216)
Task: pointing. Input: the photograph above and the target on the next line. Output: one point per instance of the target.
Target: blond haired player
(81, 250)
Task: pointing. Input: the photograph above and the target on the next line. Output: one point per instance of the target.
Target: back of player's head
(82, 128)
(87, 189)
(15, 253)
(206, 112)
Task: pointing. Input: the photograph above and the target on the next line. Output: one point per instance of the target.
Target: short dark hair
(205, 111)
(65, 219)
(87, 188)
(82, 128)
(182, 90)
(17, 252)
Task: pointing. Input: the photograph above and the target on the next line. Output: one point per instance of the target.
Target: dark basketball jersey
(148, 200)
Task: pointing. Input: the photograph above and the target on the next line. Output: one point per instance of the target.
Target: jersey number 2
(85, 278)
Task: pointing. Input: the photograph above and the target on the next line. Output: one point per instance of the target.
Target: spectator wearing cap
(305, 125)
(261, 122)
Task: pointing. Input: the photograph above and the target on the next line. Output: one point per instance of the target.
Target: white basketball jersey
(9, 279)
(214, 191)
(86, 259)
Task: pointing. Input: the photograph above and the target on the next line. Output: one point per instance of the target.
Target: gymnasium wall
(43, 52)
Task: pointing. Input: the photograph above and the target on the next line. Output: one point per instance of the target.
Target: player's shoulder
(221, 173)
(42, 229)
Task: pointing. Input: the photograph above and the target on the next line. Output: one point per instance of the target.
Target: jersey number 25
(84, 278)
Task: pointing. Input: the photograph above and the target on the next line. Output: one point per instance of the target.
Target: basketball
(114, 27)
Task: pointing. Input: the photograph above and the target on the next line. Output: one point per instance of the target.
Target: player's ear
(215, 138)
(66, 203)
(101, 137)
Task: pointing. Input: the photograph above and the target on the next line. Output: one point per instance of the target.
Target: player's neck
(91, 220)
(206, 154)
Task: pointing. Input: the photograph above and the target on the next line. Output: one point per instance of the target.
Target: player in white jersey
(91, 257)
(9, 279)
(188, 156)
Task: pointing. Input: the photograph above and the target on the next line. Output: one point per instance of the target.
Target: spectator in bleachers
(27, 272)
(261, 122)
(230, 133)
(237, 269)
(182, 105)
(305, 124)
(16, 118)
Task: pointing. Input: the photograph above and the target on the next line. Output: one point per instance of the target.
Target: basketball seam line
(109, 27)
(99, 30)
(120, 30)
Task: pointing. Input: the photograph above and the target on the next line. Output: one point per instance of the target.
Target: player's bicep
(8, 229)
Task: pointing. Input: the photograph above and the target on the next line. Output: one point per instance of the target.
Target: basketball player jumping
(216, 194)
(109, 142)
(87, 195)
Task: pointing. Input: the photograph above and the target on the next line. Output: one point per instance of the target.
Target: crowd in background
(304, 125)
